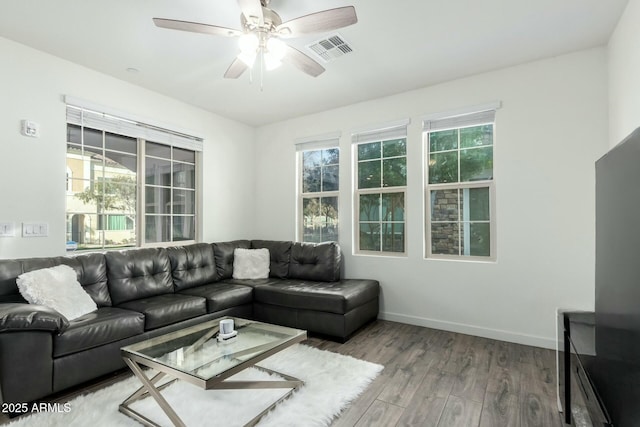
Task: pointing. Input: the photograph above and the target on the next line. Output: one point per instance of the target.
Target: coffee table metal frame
(218, 382)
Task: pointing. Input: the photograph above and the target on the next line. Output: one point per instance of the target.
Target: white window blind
(383, 132)
(82, 116)
(470, 116)
(460, 121)
(318, 142)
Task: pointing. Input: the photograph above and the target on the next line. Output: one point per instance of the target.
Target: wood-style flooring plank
(475, 363)
(427, 404)
(403, 384)
(380, 414)
(535, 411)
(350, 416)
(459, 412)
(501, 401)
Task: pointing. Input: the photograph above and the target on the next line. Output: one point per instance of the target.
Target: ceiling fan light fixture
(248, 43)
(276, 48)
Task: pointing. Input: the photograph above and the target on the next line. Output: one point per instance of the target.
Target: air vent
(330, 48)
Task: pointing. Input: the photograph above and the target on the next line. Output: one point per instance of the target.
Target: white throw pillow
(251, 263)
(57, 288)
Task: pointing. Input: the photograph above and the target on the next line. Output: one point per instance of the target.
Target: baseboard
(462, 328)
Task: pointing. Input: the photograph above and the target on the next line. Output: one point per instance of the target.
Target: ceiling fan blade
(252, 11)
(236, 69)
(318, 22)
(196, 27)
(301, 61)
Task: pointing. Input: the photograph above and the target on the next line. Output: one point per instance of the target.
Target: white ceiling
(398, 46)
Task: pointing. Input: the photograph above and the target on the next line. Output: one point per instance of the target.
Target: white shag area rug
(332, 381)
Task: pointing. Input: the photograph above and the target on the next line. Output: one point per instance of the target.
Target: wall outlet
(7, 229)
(35, 229)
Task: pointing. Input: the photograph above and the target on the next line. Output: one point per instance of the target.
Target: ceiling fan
(262, 31)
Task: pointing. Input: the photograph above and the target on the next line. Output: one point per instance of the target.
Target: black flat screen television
(615, 372)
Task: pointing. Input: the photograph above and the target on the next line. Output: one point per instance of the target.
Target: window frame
(483, 183)
(301, 195)
(395, 131)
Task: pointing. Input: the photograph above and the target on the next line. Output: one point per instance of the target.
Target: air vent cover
(330, 48)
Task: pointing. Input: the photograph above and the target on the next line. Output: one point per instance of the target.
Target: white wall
(32, 173)
(551, 128)
(624, 75)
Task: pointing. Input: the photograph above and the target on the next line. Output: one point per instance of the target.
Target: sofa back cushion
(90, 269)
(280, 254)
(138, 273)
(315, 261)
(192, 265)
(10, 269)
(223, 253)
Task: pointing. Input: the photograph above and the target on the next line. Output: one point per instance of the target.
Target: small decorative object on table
(226, 330)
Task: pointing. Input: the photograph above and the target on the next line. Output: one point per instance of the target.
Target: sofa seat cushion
(103, 326)
(221, 296)
(252, 282)
(162, 310)
(333, 297)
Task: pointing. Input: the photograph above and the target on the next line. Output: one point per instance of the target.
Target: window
(381, 183)
(460, 189)
(319, 186)
(170, 193)
(124, 188)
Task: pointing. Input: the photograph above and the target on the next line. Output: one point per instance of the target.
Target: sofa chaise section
(314, 297)
(304, 288)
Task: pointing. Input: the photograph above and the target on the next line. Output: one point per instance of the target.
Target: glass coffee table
(195, 355)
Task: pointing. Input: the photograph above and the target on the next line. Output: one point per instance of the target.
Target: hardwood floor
(444, 379)
(441, 379)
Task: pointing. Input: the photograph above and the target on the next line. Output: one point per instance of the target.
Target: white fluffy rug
(332, 381)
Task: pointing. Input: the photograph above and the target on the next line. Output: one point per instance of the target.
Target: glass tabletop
(197, 351)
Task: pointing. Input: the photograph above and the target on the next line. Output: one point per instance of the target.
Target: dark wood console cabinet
(578, 397)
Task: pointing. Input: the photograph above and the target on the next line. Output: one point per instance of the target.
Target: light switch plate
(29, 128)
(7, 229)
(35, 229)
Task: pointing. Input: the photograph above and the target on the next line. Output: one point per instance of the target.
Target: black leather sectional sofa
(142, 293)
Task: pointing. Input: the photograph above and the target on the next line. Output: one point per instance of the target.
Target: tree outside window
(319, 195)
(381, 188)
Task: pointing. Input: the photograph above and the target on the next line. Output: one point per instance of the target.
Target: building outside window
(125, 189)
(460, 186)
(319, 186)
(380, 157)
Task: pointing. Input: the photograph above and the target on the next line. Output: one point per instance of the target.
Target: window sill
(476, 260)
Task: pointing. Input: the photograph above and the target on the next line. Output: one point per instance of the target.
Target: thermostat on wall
(30, 128)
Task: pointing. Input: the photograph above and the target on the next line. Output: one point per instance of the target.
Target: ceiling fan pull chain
(261, 70)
